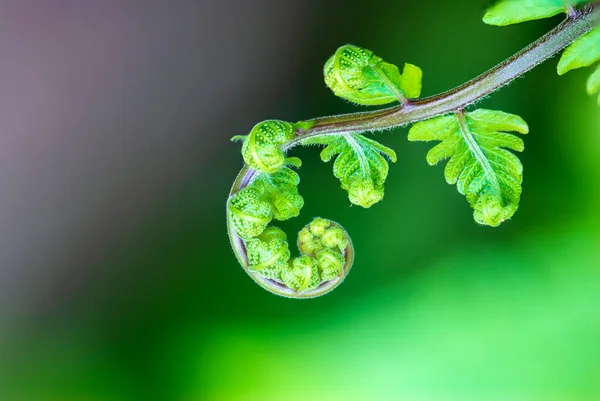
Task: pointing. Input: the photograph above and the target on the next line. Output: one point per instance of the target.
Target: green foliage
(325, 242)
(584, 52)
(269, 253)
(593, 83)
(358, 75)
(268, 196)
(321, 234)
(273, 194)
(509, 12)
(476, 143)
(281, 191)
(360, 165)
(249, 213)
(323, 264)
(487, 174)
(303, 275)
(261, 148)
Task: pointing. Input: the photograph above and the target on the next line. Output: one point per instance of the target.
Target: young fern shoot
(476, 144)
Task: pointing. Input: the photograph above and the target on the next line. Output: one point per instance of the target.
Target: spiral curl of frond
(326, 249)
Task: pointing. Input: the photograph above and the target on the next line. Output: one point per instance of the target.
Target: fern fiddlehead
(475, 142)
(326, 249)
(358, 75)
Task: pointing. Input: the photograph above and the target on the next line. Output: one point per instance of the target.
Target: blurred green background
(145, 301)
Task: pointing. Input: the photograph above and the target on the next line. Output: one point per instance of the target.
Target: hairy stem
(572, 28)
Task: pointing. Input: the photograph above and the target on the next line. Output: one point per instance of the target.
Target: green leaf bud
(363, 192)
(358, 75)
(308, 243)
(331, 263)
(318, 226)
(248, 213)
(261, 149)
(335, 237)
(268, 254)
(302, 275)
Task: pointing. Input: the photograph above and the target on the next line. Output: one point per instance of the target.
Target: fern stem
(572, 28)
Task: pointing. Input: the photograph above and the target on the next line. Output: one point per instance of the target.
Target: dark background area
(117, 281)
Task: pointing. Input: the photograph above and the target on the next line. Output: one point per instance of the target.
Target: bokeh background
(117, 281)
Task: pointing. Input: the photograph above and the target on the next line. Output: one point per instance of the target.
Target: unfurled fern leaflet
(508, 12)
(583, 53)
(485, 172)
(360, 165)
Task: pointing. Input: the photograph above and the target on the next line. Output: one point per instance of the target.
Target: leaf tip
(562, 67)
(522, 127)
(490, 211)
(431, 158)
(364, 193)
(238, 138)
(293, 162)
(491, 19)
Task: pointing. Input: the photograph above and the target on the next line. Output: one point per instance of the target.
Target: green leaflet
(269, 254)
(509, 12)
(411, 81)
(261, 149)
(269, 196)
(593, 83)
(584, 52)
(358, 75)
(302, 275)
(249, 213)
(360, 165)
(281, 190)
(331, 263)
(487, 174)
